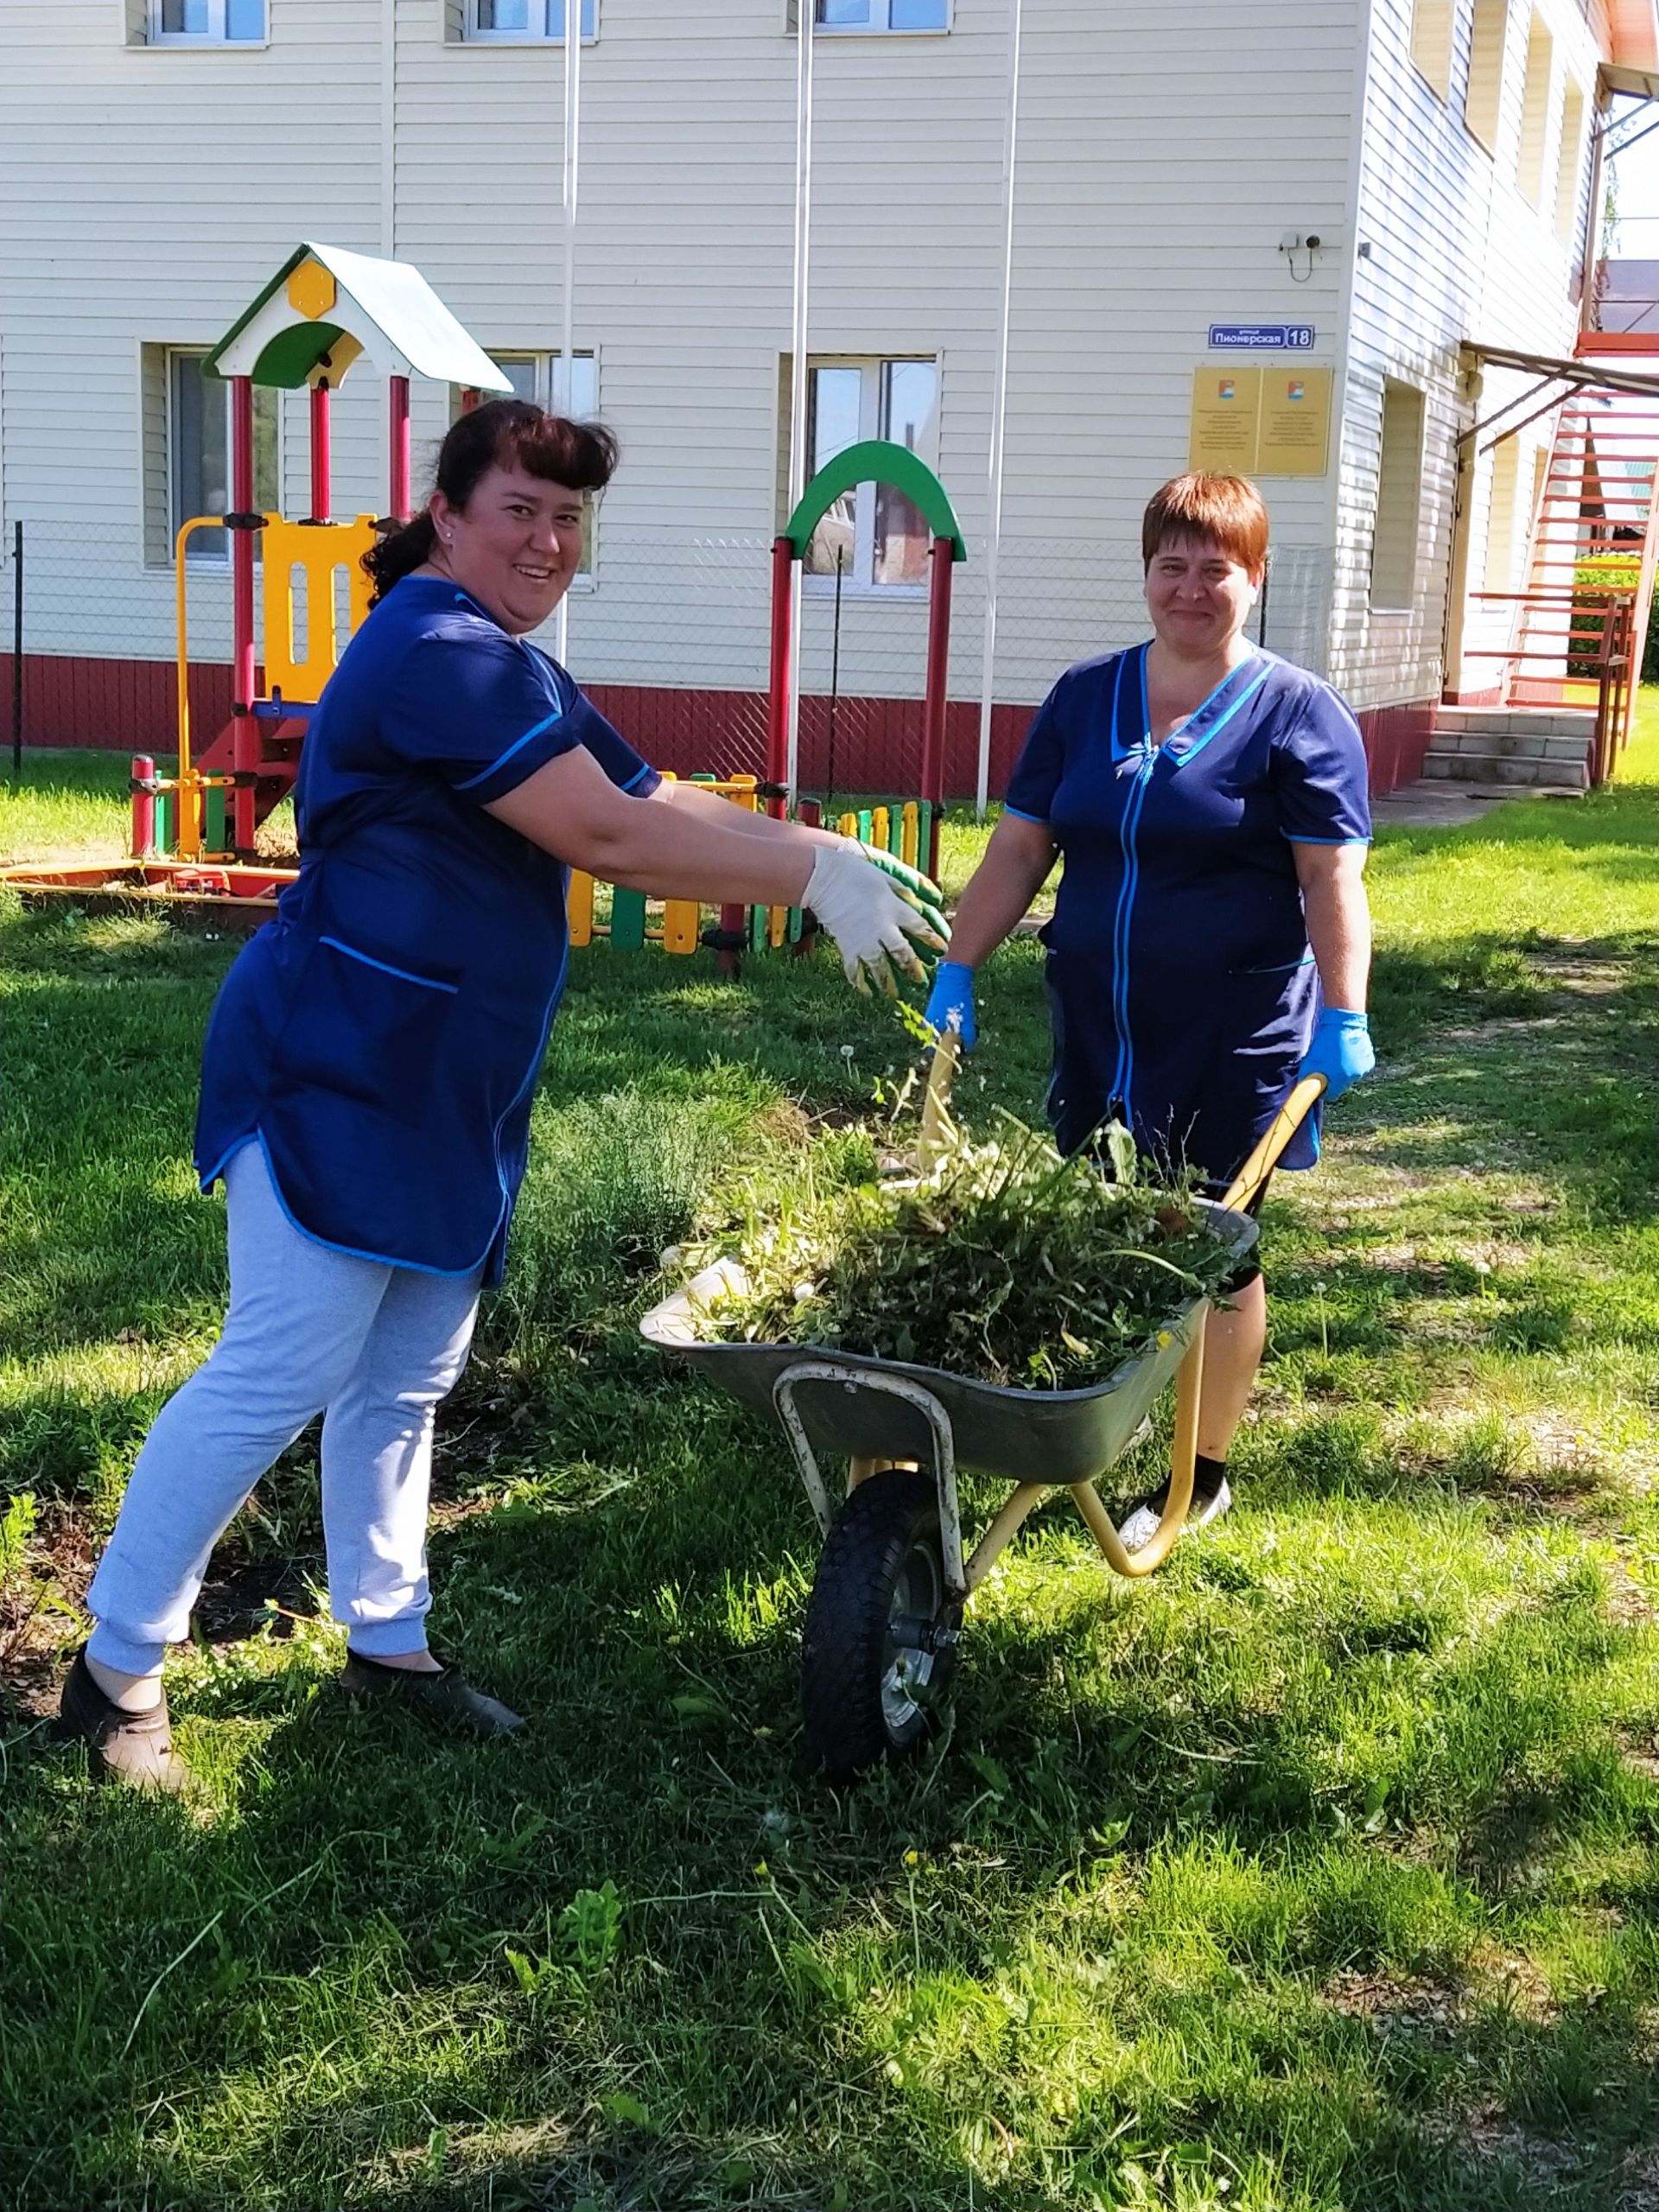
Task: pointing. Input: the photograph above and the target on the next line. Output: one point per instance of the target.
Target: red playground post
(398, 394)
(143, 806)
(936, 696)
(244, 743)
(321, 492)
(783, 567)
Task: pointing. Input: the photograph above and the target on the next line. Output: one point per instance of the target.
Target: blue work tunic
(381, 1038)
(1181, 986)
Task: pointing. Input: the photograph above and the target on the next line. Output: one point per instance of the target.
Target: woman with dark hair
(371, 1055)
(1210, 941)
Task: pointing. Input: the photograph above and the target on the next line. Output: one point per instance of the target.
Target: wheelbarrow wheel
(879, 1648)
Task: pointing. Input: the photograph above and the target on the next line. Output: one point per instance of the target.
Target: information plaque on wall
(1226, 415)
(1260, 422)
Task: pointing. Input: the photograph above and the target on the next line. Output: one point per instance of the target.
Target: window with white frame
(537, 378)
(1432, 26)
(526, 19)
(1569, 164)
(1482, 99)
(881, 14)
(1536, 107)
(873, 536)
(1399, 498)
(199, 453)
(206, 22)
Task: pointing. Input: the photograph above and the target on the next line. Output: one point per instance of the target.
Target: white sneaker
(1140, 1525)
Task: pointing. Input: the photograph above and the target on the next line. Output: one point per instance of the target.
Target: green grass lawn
(1318, 1873)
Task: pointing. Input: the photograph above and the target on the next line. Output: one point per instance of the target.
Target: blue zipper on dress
(1124, 1075)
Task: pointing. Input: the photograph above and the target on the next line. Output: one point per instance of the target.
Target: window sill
(516, 39)
(198, 46)
(1392, 613)
(862, 30)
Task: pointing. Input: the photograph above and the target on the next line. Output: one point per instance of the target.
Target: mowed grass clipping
(1317, 1873)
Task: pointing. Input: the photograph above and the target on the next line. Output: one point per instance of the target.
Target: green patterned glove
(923, 894)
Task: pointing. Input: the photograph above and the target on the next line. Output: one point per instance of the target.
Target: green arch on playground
(879, 461)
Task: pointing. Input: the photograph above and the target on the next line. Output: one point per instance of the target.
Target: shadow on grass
(777, 2018)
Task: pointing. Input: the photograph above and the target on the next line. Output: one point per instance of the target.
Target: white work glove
(871, 922)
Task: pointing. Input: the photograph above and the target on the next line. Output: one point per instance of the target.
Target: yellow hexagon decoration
(311, 290)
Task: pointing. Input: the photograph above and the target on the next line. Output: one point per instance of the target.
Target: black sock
(1208, 1476)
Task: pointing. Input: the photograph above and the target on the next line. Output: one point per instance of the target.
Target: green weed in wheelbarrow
(1002, 1309)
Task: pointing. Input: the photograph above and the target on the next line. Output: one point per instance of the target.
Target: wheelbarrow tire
(864, 1698)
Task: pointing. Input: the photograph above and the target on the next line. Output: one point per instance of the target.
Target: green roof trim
(876, 460)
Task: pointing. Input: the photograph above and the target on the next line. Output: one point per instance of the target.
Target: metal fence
(671, 639)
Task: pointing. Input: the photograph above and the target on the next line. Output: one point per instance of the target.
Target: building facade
(159, 159)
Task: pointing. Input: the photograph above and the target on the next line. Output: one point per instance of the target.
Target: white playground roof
(325, 306)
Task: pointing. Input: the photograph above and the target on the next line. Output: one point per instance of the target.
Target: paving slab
(1443, 805)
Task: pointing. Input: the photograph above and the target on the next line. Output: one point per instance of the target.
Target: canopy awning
(1547, 370)
(326, 306)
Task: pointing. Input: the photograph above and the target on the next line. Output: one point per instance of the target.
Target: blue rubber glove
(952, 995)
(1341, 1051)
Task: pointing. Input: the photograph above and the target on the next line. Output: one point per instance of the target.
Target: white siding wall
(145, 195)
(1456, 253)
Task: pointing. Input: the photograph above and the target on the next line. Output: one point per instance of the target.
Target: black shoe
(447, 1695)
(136, 1748)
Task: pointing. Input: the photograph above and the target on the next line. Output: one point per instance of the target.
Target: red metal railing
(1597, 632)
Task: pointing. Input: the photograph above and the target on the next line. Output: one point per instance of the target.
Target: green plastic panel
(627, 920)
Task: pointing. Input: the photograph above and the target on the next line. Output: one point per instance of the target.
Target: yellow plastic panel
(682, 924)
(579, 907)
(317, 551)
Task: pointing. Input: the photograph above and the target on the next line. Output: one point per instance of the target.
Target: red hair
(1227, 511)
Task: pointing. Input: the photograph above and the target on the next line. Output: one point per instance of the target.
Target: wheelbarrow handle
(1285, 1123)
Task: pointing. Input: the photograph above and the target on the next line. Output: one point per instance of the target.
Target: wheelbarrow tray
(1027, 1436)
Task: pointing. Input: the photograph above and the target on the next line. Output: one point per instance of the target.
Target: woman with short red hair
(1211, 940)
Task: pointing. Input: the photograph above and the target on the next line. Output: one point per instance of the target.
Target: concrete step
(1523, 746)
(1542, 721)
(1484, 769)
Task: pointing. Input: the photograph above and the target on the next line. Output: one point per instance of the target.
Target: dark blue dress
(381, 1038)
(1180, 982)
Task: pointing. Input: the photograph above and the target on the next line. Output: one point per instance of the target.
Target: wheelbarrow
(885, 1617)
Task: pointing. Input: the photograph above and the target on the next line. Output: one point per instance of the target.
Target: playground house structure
(322, 312)
(194, 832)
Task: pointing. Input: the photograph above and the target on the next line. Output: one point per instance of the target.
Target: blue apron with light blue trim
(382, 1037)
(1181, 988)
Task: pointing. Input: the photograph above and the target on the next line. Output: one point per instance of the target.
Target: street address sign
(1261, 337)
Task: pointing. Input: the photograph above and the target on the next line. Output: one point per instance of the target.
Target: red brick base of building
(866, 745)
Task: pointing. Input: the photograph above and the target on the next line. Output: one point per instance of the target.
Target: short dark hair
(501, 434)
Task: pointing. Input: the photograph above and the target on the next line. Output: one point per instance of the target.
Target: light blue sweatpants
(373, 1348)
